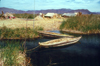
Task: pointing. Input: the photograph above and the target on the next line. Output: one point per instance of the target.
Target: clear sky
(91, 5)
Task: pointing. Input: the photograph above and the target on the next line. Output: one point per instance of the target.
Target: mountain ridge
(59, 11)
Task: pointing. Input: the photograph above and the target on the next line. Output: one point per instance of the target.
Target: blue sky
(91, 5)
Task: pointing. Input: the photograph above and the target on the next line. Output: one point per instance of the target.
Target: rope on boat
(33, 48)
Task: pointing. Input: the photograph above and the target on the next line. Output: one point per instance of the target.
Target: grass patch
(12, 54)
(19, 32)
(25, 15)
(84, 23)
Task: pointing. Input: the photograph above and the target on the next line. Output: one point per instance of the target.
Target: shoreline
(20, 38)
(79, 32)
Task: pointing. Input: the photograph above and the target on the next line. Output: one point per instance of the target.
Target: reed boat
(53, 35)
(59, 42)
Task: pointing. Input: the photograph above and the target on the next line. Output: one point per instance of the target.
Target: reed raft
(79, 32)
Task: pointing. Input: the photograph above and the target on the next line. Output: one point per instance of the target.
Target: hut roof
(69, 14)
(40, 13)
(50, 14)
(8, 14)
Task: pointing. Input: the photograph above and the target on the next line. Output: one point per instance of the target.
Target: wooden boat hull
(59, 44)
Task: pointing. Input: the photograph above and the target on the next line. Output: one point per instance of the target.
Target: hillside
(10, 10)
(59, 11)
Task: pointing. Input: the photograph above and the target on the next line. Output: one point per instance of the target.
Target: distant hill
(10, 10)
(59, 11)
(84, 11)
(96, 12)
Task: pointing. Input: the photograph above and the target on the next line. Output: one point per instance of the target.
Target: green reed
(85, 23)
(25, 15)
(19, 32)
(9, 53)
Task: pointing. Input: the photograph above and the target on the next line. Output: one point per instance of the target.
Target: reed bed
(12, 54)
(25, 15)
(46, 24)
(19, 33)
(84, 23)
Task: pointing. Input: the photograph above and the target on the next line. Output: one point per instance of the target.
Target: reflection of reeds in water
(18, 32)
(85, 23)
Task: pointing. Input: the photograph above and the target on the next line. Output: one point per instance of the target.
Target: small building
(69, 14)
(79, 14)
(41, 14)
(51, 15)
(8, 15)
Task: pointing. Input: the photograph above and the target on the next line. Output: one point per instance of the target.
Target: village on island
(41, 15)
(30, 27)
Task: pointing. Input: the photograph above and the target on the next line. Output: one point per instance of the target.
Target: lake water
(84, 53)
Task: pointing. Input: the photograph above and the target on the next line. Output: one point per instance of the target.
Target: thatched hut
(69, 14)
(8, 15)
(79, 13)
(41, 14)
(51, 15)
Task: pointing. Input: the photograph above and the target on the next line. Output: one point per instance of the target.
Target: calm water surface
(84, 53)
